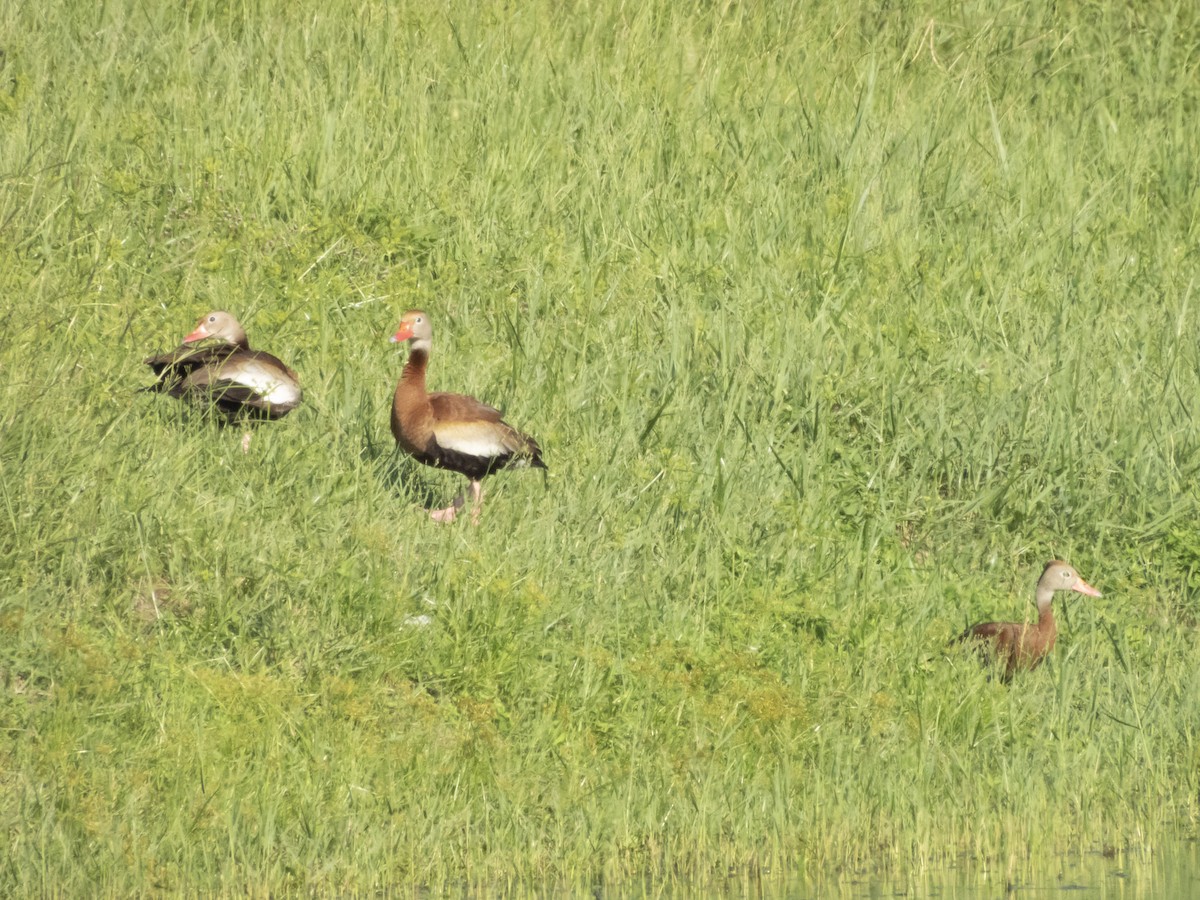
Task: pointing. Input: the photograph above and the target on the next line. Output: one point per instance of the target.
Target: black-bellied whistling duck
(1022, 645)
(451, 431)
(215, 365)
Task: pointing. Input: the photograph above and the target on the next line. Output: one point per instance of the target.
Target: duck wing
(448, 407)
(172, 368)
(470, 437)
(249, 381)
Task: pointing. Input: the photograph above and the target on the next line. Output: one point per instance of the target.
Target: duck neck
(413, 377)
(1045, 598)
(236, 339)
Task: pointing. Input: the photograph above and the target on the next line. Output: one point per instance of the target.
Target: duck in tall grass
(216, 367)
(1024, 645)
(451, 431)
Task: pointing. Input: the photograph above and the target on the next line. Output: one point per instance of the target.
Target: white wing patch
(476, 439)
(268, 384)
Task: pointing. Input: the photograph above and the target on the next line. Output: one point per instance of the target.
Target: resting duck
(216, 366)
(1021, 645)
(451, 431)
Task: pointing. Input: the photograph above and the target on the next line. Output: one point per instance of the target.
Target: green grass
(834, 322)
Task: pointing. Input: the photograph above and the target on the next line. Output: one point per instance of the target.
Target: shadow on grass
(393, 467)
(400, 473)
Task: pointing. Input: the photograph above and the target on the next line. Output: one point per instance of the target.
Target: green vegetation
(834, 321)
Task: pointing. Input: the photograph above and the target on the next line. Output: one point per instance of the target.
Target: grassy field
(834, 321)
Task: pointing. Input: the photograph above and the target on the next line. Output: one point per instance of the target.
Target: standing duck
(215, 365)
(1021, 645)
(451, 431)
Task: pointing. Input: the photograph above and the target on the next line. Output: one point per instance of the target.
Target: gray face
(218, 325)
(419, 323)
(223, 325)
(1066, 577)
(1061, 577)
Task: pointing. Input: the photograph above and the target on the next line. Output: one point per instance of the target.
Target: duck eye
(212, 318)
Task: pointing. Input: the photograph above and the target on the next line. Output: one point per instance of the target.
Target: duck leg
(476, 500)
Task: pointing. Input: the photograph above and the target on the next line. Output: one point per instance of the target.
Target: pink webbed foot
(448, 514)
